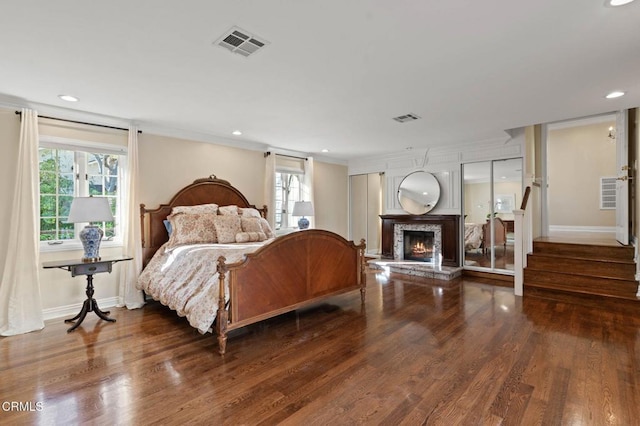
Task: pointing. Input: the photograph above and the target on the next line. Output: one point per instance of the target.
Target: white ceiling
(335, 72)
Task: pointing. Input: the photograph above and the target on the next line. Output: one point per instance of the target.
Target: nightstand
(78, 267)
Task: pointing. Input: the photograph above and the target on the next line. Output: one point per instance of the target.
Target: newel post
(519, 252)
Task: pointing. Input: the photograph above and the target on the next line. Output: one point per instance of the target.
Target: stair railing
(523, 241)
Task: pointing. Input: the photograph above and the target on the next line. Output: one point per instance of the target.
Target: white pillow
(199, 208)
(249, 212)
(228, 210)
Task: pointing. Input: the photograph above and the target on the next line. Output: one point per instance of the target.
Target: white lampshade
(302, 208)
(90, 209)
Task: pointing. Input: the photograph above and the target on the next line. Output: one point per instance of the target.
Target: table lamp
(90, 209)
(302, 208)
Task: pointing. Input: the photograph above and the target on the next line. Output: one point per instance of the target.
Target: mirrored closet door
(491, 191)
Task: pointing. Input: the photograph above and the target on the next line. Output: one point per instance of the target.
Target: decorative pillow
(226, 228)
(248, 237)
(228, 210)
(195, 228)
(251, 224)
(200, 208)
(266, 228)
(249, 212)
(167, 226)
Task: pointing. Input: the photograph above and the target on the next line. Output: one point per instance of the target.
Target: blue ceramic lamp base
(303, 223)
(91, 236)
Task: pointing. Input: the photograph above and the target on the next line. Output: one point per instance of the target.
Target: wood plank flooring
(419, 352)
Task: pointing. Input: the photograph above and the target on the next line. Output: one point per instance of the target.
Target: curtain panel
(270, 188)
(20, 300)
(307, 187)
(128, 295)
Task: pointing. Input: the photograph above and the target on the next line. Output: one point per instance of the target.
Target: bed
(473, 233)
(222, 285)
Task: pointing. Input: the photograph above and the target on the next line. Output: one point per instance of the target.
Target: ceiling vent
(405, 118)
(241, 42)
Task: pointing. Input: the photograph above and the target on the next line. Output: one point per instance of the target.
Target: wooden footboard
(295, 270)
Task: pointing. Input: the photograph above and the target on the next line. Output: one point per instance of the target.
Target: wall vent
(242, 42)
(405, 118)
(607, 193)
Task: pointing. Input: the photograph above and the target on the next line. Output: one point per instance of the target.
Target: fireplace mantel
(450, 233)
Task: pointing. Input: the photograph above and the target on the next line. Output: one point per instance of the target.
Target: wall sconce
(612, 133)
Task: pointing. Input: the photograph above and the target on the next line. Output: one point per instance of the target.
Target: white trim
(76, 245)
(72, 310)
(587, 229)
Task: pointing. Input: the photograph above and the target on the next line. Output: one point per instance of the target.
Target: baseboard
(586, 229)
(72, 310)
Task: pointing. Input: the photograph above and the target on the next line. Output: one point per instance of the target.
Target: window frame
(83, 148)
(290, 222)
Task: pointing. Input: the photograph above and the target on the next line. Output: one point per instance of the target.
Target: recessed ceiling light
(236, 132)
(68, 98)
(615, 3)
(614, 95)
(325, 150)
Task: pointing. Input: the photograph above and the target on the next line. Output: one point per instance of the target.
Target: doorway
(581, 184)
(491, 191)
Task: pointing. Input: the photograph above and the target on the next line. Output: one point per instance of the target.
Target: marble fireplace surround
(448, 226)
(398, 238)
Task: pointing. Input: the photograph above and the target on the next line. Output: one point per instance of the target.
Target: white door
(622, 182)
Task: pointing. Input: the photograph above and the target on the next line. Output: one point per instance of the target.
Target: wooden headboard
(201, 191)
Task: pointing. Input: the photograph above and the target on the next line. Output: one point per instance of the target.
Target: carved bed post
(222, 317)
(142, 211)
(363, 274)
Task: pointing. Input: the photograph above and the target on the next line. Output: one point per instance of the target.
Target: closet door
(365, 210)
(358, 207)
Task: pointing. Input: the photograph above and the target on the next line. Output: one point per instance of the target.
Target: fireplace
(446, 235)
(418, 245)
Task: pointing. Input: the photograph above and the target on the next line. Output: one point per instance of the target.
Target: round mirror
(418, 192)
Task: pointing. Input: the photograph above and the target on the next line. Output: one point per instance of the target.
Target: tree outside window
(288, 191)
(65, 174)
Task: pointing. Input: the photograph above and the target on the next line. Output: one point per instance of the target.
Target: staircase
(596, 269)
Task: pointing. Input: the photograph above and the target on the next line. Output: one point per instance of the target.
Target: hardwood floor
(419, 352)
(504, 258)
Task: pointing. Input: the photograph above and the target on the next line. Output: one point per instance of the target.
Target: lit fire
(419, 249)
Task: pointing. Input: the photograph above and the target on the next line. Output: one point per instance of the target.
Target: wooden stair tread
(598, 269)
(585, 258)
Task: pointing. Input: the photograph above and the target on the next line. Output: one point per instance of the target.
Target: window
(67, 171)
(288, 191)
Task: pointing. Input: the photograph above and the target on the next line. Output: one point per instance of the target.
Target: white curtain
(270, 188)
(307, 187)
(128, 295)
(20, 302)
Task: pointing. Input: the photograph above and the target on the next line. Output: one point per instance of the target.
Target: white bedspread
(185, 278)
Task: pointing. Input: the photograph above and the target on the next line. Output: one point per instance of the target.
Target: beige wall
(169, 164)
(477, 195)
(165, 165)
(331, 193)
(577, 158)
